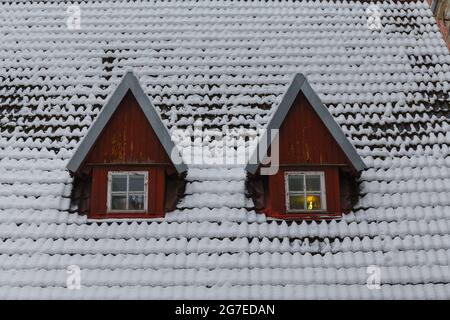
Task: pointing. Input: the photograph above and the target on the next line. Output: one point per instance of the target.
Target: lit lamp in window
(312, 202)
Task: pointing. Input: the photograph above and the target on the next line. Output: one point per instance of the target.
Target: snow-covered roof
(227, 64)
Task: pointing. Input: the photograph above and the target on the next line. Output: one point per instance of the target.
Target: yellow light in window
(312, 202)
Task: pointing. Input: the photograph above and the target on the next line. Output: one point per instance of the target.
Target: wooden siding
(304, 138)
(128, 138)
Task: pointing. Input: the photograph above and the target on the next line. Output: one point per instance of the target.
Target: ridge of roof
(300, 84)
(129, 82)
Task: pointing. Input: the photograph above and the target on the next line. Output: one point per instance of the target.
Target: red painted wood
(306, 145)
(98, 192)
(128, 138)
(159, 190)
(305, 139)
(128, 143)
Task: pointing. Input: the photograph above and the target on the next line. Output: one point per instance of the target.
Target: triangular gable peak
(299, 91)
(129, 89)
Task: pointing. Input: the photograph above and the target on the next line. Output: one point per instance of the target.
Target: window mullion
(305, 202)
(128, 188)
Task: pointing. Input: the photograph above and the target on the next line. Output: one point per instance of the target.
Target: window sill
(117, 212)
(126, 215)
(305, 215)
(293, 212)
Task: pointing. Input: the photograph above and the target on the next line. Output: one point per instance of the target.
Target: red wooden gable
(308, 133)
(128, 138)
(304, 138)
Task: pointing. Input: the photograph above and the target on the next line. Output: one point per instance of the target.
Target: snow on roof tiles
(226, 64)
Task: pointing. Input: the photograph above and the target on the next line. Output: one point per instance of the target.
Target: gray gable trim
(129, 82)
(299, 83)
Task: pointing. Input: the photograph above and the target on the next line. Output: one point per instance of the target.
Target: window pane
(119, 183)
(119, 202)
(295, 182)
(313, 202)
(312, 182)
(136, 202)
(297, 202)
(136, 182)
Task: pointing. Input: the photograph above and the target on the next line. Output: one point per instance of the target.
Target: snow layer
(226, 65)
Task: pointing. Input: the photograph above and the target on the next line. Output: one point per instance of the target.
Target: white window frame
(323, 195)
(127, 173)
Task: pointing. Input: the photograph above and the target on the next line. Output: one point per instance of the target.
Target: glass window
(127, 191)
(305, 191)
(119, 182)
(296, 183)
(312, 182)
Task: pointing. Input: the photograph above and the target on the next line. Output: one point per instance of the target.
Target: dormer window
(310, 166)
(127, 191)
(305, 191)
(125, 166)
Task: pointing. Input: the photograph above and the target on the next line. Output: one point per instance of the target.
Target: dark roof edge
(300, 83)
(129, 82)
